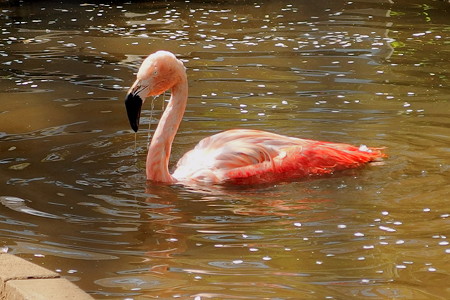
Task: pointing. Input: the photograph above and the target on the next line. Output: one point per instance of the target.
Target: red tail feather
(316, 159)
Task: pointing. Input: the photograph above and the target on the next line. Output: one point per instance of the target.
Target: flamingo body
(238, 156)
(243, 156)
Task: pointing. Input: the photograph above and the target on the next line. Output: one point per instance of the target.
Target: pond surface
(74, 197)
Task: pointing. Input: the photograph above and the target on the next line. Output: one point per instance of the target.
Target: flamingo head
(158, 73)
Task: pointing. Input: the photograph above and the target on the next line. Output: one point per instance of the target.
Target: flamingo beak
(133, 104)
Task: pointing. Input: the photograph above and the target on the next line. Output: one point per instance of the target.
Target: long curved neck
(157, 167)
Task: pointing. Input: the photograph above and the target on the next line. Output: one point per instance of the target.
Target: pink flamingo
(239, 156)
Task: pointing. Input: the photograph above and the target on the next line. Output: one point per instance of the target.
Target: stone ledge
(23, 280)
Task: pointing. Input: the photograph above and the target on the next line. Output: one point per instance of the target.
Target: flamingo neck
(157, 166)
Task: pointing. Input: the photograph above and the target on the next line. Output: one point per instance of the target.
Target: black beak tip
(133, 104)
(134, 126)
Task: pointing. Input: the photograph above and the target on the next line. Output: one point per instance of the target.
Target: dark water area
(73, 194)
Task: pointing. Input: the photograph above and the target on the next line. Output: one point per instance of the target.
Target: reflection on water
(73, 195)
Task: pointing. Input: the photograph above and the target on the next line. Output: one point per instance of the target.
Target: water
(74, 198)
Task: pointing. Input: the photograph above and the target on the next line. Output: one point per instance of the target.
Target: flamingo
(237, 156)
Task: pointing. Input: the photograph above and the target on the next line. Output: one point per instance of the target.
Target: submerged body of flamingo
(235, 156)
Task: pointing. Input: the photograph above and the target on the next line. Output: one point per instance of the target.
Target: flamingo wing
(243, 156)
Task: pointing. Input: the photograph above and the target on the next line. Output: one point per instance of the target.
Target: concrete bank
(23, 280)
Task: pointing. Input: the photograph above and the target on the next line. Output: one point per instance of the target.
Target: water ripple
(19, 205)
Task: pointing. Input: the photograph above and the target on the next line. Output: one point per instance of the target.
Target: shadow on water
(72, 182)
